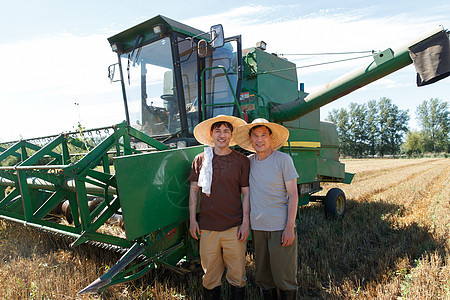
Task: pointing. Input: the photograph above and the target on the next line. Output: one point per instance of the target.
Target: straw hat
(279, 134)
(203, 129)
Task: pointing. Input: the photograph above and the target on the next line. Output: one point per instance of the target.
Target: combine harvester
(174, 76)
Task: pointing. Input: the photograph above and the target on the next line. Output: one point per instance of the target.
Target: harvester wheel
(334, 203)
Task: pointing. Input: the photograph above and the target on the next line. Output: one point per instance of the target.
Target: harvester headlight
(261, 45)
(159, 29)
(116, 47)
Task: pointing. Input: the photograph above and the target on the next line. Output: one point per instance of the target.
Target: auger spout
(384, 63)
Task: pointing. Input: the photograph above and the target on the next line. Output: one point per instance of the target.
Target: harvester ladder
(203, 102)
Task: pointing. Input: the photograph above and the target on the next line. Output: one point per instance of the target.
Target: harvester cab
(174, 76)
(165, 65)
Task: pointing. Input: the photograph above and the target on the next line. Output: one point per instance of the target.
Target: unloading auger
(174, 76)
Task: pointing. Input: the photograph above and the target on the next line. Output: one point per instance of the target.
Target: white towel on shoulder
(205, 177)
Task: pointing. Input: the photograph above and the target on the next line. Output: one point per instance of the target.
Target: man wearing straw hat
(223, 219)
(273, 202)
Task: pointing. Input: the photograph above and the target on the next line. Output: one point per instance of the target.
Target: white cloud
(59, 62)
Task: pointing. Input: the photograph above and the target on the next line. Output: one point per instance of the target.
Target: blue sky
(55, 53)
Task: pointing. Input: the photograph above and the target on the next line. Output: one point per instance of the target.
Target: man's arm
(244, 230)
(288, 233)
(193, 201)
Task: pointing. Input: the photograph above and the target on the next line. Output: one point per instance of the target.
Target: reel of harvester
(71, 175)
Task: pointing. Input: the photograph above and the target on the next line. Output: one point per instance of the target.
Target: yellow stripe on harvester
(303, 144)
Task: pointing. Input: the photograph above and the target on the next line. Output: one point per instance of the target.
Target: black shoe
(288, 295)
(213, 294)
(270, 294)
(237, 293)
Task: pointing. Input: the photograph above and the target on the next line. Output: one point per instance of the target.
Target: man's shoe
(237, 293)
(270, 294)
(288, 295)
(213, 294)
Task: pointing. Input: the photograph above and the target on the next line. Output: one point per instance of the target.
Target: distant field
(393, 243)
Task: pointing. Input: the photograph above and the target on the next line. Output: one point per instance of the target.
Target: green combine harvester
(134, 174)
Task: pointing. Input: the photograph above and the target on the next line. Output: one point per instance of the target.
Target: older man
(273, 202)
(223, 219)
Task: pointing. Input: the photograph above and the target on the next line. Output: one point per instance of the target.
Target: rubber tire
(335, 203)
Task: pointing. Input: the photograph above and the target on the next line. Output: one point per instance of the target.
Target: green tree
(340, 118)
(393, 125)
(414, 143)
(358, 130)
(373, 129)
(434, 119)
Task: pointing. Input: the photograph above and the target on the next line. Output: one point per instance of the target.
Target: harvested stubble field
(392, 244)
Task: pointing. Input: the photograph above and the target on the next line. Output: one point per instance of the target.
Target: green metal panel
(305, 164)
(328, 134)
(330, 168)
(331, 153)
(308, 121)
(258, 62)
(304, 157)
(348, 177)
(268, 79)
(330, 142)
(280, 86)
(303, 199)
(304, 135)
(154, 189)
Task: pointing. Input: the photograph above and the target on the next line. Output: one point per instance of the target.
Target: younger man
(223, 219)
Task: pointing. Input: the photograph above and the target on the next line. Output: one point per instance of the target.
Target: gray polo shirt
(268, 195)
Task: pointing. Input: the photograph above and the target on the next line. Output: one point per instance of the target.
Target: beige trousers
(220, 250)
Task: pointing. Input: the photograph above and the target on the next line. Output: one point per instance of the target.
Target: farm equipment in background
(173, 76)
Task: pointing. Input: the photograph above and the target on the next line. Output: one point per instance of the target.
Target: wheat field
(392, 243)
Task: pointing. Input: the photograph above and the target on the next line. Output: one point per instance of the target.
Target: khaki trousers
(276, 266)
(220, 250)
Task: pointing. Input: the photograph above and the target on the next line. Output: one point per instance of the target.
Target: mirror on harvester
(217, 36)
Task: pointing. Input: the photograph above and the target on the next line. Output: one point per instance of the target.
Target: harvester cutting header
(174, 76)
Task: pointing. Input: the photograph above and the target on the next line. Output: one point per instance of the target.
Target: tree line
(379, 128)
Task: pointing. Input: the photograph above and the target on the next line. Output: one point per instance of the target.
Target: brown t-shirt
(222, 210)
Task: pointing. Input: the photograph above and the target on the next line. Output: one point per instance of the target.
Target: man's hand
(194, 229)
(288, 236)
(243, 232)
(289, 231)
(244, 229)
(193, 200)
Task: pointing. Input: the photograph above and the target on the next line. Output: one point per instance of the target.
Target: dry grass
(392, 244)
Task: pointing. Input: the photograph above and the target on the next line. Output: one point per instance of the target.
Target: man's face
(261, 139)
(221, 136)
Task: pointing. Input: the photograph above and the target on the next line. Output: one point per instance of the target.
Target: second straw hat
(280, 134)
